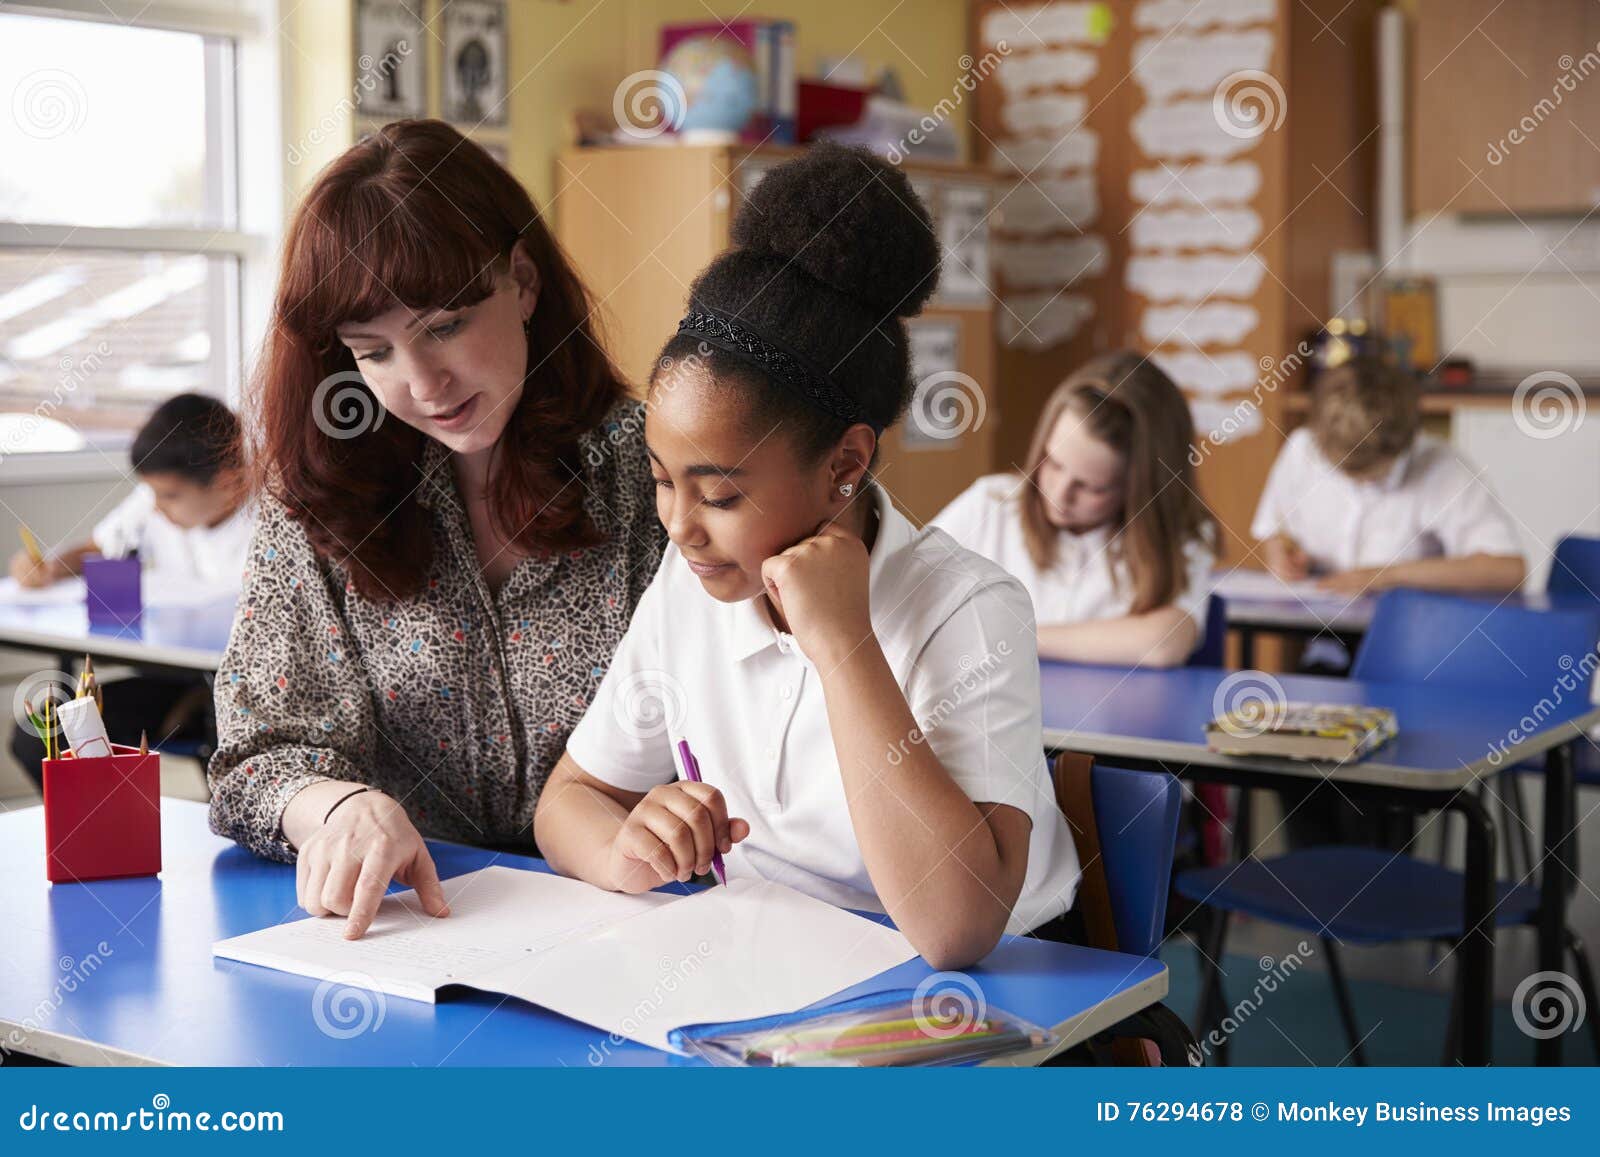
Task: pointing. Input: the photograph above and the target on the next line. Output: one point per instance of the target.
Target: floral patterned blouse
(458, 701)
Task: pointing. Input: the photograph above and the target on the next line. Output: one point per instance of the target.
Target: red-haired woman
(457, 519)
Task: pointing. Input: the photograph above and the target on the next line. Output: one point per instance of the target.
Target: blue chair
(1358, 895)
(1122, 895)
(1574, 581)
(1575, 569)
(1213, 648)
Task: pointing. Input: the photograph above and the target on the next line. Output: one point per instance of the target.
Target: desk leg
(1247, 648)
(1477, 947)
(1559, 806)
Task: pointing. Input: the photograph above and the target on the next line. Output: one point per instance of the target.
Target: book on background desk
(635, 966)
(1322, 731)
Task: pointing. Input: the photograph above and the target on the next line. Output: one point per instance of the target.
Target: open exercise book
(636, 966)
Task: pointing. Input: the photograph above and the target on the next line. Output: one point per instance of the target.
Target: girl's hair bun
(851, 220)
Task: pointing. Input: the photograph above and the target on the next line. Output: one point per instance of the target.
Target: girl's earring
(848, 489)
(527, 324)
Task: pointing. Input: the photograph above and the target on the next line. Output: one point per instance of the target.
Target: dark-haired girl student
(1105, 525)
(456, 522)
(862, 697)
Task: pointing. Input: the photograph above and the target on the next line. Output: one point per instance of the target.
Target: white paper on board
(1030, 264)
(1206, 373)
(1186, 128)
(1220, 421)
(1075, 151)
(1214, 323)
(1050, 112)
(1046, 68)
(1037, 321)
(1050, 204)
(1196, 183)
(1174, 64)
(1076, 22)
(1160, 15)
(1166, 278)
(1200, 228)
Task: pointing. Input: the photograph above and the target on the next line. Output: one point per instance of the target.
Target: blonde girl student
(1105, 526)
(862, 697)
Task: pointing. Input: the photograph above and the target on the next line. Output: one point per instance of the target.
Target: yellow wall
(565, 56)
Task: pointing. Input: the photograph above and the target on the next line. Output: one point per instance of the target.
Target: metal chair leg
(1213, 1000)
(1580, 965)
(1341, 996)
(1519, 806)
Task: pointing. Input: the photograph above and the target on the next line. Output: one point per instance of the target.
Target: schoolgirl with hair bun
(862, 697)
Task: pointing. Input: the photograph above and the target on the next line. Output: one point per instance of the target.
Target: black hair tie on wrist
(335, 807)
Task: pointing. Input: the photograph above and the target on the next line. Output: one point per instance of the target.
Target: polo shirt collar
(751, 630)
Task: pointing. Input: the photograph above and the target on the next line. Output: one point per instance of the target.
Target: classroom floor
(1298, 1023)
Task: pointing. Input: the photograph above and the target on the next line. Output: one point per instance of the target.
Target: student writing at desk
(190, 522)
(1362, 497)
(862, 697)
(1104, 525)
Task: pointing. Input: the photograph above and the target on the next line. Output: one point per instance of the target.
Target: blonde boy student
(1362, 499)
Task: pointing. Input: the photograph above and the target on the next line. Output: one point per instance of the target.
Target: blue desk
(144, 988)
(1449, 739)
(182, 638)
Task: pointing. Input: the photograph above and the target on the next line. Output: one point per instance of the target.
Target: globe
(718, 80)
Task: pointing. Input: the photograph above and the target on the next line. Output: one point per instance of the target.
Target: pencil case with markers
(904, 1027)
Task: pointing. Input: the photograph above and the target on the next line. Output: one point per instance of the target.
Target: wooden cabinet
(1505, 103)
(641, 223)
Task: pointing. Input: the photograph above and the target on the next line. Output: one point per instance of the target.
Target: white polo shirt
(959, 636)
(1430, 504)
(201, 556)
(1083, 583)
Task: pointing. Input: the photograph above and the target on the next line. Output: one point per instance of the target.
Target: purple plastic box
(113, 593)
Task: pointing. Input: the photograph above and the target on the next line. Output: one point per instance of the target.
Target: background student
(1105, 525)
(1362, 498)
(816, 650)
(187, 518)
(190, 523)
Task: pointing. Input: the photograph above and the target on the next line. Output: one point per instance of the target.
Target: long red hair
(419, 215)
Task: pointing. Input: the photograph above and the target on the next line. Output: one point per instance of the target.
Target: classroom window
(120, 257)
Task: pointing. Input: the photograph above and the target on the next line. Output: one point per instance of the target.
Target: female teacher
(457, 519)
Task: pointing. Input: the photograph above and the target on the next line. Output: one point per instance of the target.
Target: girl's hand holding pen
(672, 834)
(819, 585)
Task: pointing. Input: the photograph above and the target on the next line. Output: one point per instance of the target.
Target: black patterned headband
(796, 373)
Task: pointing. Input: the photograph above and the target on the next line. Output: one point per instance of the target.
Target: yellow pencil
(31, 545)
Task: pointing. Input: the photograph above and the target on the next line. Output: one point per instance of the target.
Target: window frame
(244, 176)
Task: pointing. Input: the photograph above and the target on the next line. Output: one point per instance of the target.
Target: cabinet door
(1551, 485)
(1503, 96)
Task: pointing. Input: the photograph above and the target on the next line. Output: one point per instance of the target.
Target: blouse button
(788, 692)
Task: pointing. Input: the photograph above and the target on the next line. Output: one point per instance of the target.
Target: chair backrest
(1464, 641)
(1575, 570)
(1125, 845)
(1213, 648)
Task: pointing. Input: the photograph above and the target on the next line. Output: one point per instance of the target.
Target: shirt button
(788, 692)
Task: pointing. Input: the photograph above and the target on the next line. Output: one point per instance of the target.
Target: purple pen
(691, 768)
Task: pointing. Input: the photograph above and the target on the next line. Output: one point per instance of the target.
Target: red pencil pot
(102, 816)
